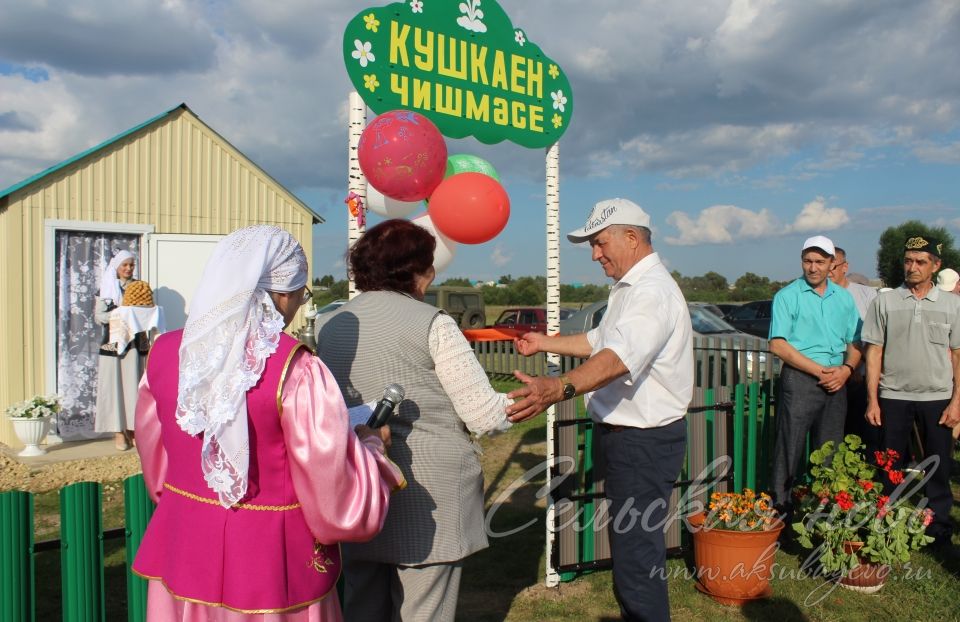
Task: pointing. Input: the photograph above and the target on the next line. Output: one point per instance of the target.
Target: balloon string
(355, 204)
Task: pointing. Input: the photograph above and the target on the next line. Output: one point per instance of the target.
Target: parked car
(585, 319)
(703, 322)
(464, 304)
(331, 306)
(527, 318)
(712, 308)
(752, 318)
(726, 308)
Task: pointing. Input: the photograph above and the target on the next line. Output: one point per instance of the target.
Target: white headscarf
(231, 330)
(109, 283)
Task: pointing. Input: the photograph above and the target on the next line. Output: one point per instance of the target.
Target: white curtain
(81, 258)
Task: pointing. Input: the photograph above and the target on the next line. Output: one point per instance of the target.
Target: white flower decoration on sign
(519, 37)
(472, 16)
(416, 6)
(559, 100)
(363, 53)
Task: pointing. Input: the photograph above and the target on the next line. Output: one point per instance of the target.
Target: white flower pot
(31, 433)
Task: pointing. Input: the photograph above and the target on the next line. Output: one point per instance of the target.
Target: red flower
(865, 484)
(927, 517)
(844, 500)
(885, 459)
(895, 477)
(882, 506)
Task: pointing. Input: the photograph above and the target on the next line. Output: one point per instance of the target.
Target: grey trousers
(803, 407)
(377, 592)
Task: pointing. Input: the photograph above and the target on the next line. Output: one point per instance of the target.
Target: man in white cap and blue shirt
(637, 384)
(815, 330)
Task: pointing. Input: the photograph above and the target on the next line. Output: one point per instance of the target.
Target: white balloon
(385, 206)
(446, 247)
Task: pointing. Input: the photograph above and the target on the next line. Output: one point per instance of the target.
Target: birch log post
(356, 182)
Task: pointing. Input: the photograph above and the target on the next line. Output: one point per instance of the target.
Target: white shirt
(863, 295)
(647, 325)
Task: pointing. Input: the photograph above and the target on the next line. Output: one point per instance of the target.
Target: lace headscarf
(231, 330)
(109, 283)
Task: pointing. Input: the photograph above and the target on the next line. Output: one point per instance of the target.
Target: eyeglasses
(307, 296)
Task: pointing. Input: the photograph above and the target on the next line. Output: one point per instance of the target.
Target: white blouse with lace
(481, 409)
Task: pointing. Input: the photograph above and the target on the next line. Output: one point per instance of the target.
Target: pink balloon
(470, 208)
(403, 155)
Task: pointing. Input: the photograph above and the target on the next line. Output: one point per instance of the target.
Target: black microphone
(392, 396)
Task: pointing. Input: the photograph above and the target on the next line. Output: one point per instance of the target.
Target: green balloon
(466, 163)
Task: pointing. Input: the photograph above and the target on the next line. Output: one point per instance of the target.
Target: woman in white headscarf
(118, 375)
(246, 445)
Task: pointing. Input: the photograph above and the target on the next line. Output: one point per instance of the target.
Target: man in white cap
(815, 330)
(637, 384)
(949, 281)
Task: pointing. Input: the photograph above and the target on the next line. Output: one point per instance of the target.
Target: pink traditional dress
(251, 531)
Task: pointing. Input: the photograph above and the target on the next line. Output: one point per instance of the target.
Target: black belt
(609, 427)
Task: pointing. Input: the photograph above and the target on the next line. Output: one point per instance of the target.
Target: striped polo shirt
(916, 336)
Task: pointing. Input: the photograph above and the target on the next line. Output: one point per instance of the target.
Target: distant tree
(752, 286)
(338, 290)
(890, 252)
(506, 279)
(326, 280)
(583, 293)
(458, 282)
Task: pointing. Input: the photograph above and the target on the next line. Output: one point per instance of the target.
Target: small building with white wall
(167, 190)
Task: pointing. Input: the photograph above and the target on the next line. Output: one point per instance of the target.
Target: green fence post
(752, 437)
(137, 510)
(738, 462)
(18, 595)
(81, 552)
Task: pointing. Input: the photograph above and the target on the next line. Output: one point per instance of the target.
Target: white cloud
(500, 256)
(816, 216)
(729, 224)
(928, 151)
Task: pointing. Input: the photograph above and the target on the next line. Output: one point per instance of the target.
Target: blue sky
(741, 126)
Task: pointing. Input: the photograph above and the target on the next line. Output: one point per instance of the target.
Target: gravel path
(15, 475)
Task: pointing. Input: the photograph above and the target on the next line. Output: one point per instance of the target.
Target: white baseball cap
(610, 212)
(821, 242)
(947, 279)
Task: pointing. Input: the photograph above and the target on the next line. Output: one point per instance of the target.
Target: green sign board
(461, 64)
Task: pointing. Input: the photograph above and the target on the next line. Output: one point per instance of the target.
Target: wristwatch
(568, 389)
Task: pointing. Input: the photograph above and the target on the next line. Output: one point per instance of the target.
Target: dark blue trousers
(897, 418)
(640, 467)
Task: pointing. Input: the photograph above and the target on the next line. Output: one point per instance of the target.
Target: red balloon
(403, 155)
(470, 208)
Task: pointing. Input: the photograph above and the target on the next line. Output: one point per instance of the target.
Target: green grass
(506, 581)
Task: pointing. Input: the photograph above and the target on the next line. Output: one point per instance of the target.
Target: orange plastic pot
(733, 567)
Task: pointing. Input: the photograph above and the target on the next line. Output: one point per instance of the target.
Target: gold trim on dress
(239, 506)
(283, 375)
(197, 601)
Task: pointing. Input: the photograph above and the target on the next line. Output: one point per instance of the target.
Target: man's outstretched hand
(538, 393)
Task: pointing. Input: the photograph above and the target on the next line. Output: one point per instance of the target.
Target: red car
(526, 319)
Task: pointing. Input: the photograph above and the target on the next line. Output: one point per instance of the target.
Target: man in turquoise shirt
(813, 328)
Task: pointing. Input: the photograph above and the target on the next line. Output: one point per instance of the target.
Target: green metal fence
(81, 552)
(729, 418)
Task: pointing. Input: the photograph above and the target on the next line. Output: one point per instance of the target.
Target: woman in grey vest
(387, 334)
